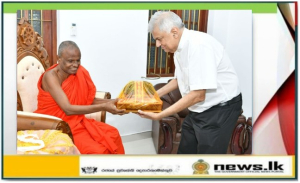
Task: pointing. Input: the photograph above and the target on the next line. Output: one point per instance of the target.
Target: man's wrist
(161, 115)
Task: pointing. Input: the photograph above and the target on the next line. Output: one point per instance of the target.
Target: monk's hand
(111, 108)
(149, 115)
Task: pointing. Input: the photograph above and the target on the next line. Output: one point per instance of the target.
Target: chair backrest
(175, 95)
(32, 61)
(172, 98)
(100, 115)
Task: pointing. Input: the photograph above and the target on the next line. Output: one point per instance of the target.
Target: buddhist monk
(67, 91)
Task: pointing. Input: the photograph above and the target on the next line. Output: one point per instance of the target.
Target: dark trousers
(209, 132)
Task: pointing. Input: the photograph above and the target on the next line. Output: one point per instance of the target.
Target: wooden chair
(166, 133)
(32, 61)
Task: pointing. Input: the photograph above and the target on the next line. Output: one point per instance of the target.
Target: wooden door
(43, 22)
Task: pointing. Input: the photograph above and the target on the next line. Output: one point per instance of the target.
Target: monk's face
(70, 60)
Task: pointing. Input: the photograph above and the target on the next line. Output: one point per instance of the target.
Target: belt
(229, 102)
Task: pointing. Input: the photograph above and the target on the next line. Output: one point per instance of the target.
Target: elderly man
(67, 91)
(207, 82)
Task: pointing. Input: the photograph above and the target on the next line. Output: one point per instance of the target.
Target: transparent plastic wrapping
(139, 95)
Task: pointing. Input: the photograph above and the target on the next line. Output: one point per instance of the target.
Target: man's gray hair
(165, 20)
(66, 44)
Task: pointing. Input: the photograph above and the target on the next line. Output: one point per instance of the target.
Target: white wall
(93, 59)
(234, 30)
(9, 84)
(113, 46)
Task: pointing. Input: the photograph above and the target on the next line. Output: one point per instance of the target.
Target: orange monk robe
(90, 136)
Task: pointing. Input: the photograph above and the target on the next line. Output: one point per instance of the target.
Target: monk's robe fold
(90, 136)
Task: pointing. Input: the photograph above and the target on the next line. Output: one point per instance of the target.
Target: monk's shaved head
(66, 44)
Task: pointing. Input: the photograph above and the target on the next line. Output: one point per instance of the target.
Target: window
(43, 22)
(160, 63)
(34, 17)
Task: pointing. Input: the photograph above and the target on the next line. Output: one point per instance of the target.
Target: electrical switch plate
(73, 29)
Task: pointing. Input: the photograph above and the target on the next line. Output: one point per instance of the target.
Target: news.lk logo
(272, 167)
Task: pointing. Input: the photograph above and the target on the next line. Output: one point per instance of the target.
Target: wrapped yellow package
(139, 95)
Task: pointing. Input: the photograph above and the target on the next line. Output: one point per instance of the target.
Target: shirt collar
(183, 39)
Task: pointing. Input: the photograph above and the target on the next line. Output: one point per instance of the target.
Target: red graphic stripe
(286, 112)
(296, 13)
(284, 102)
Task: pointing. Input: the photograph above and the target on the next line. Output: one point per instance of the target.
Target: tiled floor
(143, 146)
(141, 143)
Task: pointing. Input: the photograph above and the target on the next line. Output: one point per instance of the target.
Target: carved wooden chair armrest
(34, 121)
(101, 115)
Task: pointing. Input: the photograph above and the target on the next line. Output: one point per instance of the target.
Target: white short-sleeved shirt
(202, 63)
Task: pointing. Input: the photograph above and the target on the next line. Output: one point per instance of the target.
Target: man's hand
(149, 115)
(111, 108)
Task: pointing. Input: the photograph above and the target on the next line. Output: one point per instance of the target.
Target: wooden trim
(203, 20)
(172, 65)
(54, 37)
(161, 75)
(30, 43)
(65, 128)
(155, 58)
(19, 102)
(107, 95)
(25, 122)
(26, 13)
(189, 22)
(103, 113)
